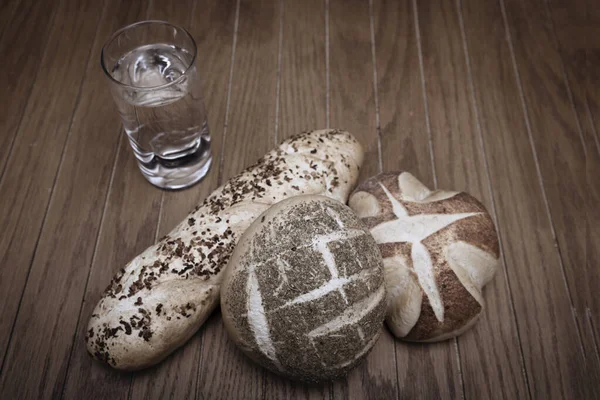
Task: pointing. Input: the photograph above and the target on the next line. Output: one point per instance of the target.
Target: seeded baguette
(161, 298)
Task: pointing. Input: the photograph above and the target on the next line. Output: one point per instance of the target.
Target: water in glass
(163, 113)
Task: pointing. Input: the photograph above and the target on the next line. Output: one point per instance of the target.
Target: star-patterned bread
(439, 249)
(304, 292)
(161, 298)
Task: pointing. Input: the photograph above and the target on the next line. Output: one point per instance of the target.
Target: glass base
(179, 178)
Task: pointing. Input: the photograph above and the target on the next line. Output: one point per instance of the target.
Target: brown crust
(460, 307)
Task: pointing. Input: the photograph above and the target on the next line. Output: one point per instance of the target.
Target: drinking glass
(151, 67)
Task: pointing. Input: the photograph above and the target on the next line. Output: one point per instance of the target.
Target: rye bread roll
(159, 300)
(439, 249)
(304, 292)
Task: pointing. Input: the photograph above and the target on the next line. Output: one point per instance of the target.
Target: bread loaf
(304, 293)
(439, 249)
(157, 302)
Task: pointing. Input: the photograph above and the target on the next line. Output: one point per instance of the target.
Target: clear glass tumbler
(151, 66)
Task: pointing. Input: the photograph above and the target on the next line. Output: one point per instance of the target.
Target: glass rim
(147, 22)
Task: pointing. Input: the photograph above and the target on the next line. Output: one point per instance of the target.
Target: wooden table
(501, 99)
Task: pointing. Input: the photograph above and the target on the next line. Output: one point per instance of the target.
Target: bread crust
(439, 249)
(304, 292)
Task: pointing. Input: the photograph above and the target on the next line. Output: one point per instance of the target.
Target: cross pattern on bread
(353, 314)
(321, 244)
(414, 229)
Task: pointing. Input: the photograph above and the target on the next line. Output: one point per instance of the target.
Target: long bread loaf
(161, 298)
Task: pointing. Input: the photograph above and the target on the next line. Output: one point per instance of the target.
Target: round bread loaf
(304, 292)
(439, 249)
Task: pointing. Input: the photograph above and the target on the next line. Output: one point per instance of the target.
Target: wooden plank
(592, 227)
(122, 235)
(423, 371)
(30, 27)
(573, 24)
(31, 169)
(352, 107)
(553, 125)
(591, 85)
(488, 370)
(593, 97)
(550, 345)
(576, 23)
(7, 11)
(128, 226)
(403, 127)
(50, 308)
(179, 13)
(351, 97)
(302, 104)
(576, 58)
(212, 26)
(226, 373)
(302, 107)
(26, 26)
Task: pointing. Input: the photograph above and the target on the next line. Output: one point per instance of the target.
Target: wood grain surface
(7, 12)
(500, 99)
(35, 240)
(577, 59)
(573, 27)
(18, 238)
(552, 125)
(29, 25)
